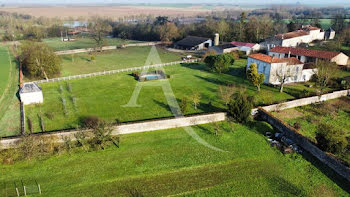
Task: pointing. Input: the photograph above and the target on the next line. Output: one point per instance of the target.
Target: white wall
(32, 98)
(341, 59)
(263, 67)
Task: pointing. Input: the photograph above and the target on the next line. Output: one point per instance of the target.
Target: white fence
(114, 71)
(105, 48)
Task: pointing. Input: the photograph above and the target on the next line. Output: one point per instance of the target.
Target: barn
(194, 43)
(31, 93)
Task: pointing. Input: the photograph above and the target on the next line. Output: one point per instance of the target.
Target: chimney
(216, 39)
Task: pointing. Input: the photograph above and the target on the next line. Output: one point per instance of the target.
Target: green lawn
(83, 42)
(170, 162)
(334, 112)
(325, 22)
(105, 95)
(110, 60)
(9, 104)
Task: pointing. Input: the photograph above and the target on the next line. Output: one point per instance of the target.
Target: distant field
(169, 163)
(107, 11)
(334, 112)
(114, 59)
(326, 23)
(9, 104)
(105, 95)
(81, 43)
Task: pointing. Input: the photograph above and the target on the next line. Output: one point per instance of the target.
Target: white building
(224, 48)
(290, 70)
(248, 48)
(31, 93)
(309, 55)
(305, 35)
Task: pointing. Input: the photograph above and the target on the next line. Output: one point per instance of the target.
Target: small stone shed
(31, 93)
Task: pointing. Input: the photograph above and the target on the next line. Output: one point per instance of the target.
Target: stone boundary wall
(303, 142)
(129, 128)
(304, 101)
(74, 51)
(113, 71)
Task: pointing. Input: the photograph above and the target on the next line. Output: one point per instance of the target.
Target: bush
(297, 126)
(331, 139)
(184, 104)
(90, 122)
(93, 58)
(219, 63)
(240, 107)
(235, 55)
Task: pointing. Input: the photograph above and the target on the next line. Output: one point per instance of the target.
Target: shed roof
(269, 59)
(243, 44)
(226, 46)
(29, 88)
(191, 41)
(293, 34)
(305, 52)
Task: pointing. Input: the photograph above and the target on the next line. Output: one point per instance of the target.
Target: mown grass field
(110, 60)
(105, 96)
(83, 42)
(325, 22)
(333, 112)
(170, 162)
(9, 104)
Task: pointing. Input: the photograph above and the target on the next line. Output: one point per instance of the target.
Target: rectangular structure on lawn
(31, 93)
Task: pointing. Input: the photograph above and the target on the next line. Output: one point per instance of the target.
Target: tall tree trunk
(281, 87)
(258, 88)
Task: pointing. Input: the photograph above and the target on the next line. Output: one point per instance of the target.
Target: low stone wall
(303, 142)
(130, 128)
(304, 101)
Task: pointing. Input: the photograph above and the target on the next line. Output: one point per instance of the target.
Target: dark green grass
(83, 42)
(334, 112)
(9, 104)
(104, 96)
(111, 60)
(170, 162)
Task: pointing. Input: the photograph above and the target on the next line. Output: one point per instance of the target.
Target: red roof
(269, 59)
(309, 28)
(243, 44)
(305, 52)
(293, 34)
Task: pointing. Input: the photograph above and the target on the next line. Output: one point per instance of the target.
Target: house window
(264, 69)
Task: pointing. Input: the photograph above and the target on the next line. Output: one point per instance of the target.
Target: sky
(175, 1)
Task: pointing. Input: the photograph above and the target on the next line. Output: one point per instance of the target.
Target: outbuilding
(224, 48)
(31, 93)
(194, 43)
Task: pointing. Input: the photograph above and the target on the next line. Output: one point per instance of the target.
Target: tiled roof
(191, 41)
(241, 44)
(309, 28)
(293, 34)
(269, 59)
(305, 52)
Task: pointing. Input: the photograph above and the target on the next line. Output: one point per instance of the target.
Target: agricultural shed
(31, 93)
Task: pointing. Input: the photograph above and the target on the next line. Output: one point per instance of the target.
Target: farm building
(224, 48)
(306, 35)
(275, 68)
(194, 43)
(329, 34)
(31, 93)
(309, 55)
(248, 48)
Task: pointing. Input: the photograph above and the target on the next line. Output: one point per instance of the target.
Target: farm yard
(112, 60)
(246, 169)
(83, 42)
(333, 112)
(9, 103)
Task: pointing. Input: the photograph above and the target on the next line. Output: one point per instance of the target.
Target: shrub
(184, 104)
(331, 139)
(50, 115)
(240, 107)
(91, 122)
(297, 126)
(219, 63)
(235, 55)
(93, 58)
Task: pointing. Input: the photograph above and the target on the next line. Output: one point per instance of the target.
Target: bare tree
(284, 74)
(99, 27)
(196, 99)
(225, 93)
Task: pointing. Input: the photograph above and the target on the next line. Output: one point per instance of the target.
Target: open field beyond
(83, 42)
(114, 59)
(170, 162)
(9, 104)
(107, 11)
(104, 96)
(334, 112)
